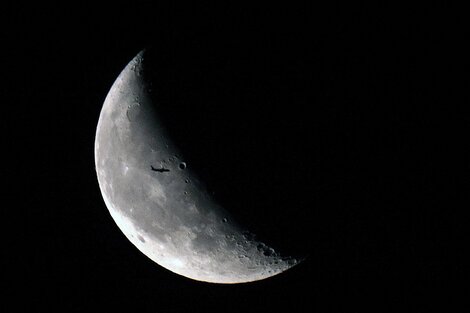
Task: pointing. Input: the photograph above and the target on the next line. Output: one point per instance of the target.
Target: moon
(157, 200)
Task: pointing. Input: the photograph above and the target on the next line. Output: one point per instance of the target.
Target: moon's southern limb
(159, 203)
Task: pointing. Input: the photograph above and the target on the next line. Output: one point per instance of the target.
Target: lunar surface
(157, 200)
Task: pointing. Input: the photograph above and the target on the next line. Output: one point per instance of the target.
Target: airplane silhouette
(161, 170)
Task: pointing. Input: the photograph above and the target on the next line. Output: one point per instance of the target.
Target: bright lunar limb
(157, 200)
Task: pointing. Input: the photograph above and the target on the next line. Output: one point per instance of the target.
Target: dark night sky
(345, 120)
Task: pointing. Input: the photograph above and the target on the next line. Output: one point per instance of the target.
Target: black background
(342, 129)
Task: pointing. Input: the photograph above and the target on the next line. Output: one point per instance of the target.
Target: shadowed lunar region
(158, 200)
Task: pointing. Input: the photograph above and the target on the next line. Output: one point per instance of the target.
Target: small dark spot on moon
(132, 111)
(141, 238)
(182, 165)
(186, 181)
(269, 252)
(224, 220)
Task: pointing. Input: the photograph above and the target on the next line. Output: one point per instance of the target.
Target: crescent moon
(157, 200)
